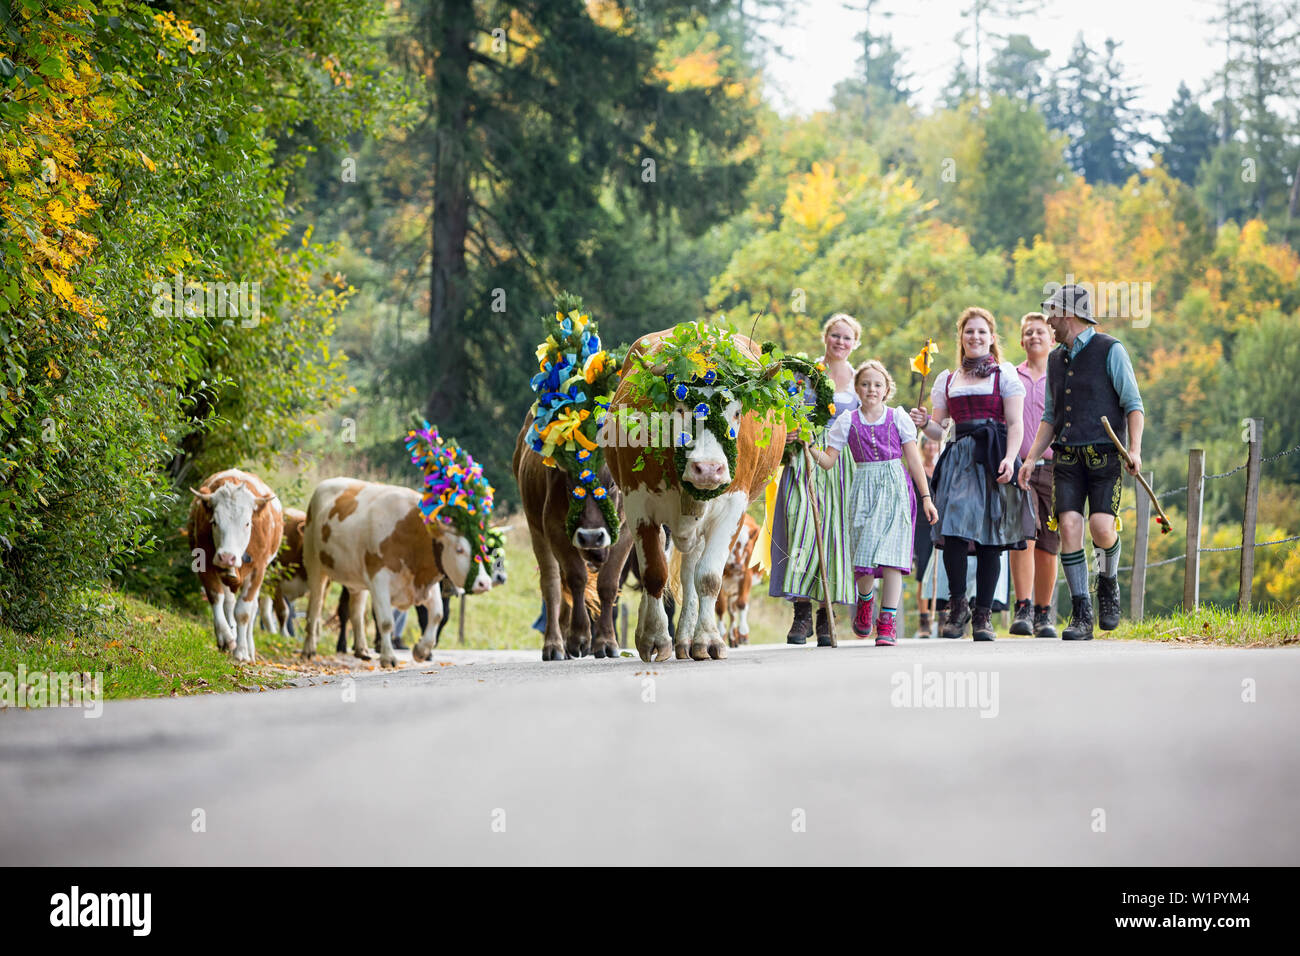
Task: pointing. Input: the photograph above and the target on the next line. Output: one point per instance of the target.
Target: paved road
(1103, 753)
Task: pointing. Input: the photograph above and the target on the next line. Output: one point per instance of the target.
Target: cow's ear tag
(247, 557)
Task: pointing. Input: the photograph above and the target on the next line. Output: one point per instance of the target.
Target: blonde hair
(1033, 317)
(848, 320)
(871, 365)
(975, 312)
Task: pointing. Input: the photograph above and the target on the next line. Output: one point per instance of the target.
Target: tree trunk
(449, 276)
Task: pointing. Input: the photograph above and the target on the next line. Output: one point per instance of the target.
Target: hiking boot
(1023, 624)
(1043, 621)
(981, 627)
(823, 629)
(1107, 602)
(886, 629)
(862, 619)
(802, 625)
(1080, 628)
(958, 616)
(940, 615)
(923, 626)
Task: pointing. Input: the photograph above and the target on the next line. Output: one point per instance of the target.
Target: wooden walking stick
(1162, 519)
(817, 536)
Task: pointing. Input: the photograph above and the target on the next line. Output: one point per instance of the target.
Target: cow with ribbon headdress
(398, 545)
(574, 509)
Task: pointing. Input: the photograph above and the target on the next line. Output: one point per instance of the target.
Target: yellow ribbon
(762, 558)
(565, 430)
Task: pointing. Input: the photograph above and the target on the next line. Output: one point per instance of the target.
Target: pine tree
(1092, 104)
(558, 128)
(1189, 136)
(1261, 73)
(1017, 69)
(979, 13)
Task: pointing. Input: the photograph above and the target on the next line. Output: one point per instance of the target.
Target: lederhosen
(1086, 464)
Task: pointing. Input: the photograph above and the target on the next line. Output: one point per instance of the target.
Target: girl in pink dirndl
(881, 504)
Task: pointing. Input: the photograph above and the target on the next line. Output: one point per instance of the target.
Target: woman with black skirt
(981, 509)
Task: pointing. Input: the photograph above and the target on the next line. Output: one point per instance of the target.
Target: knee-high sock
(1108, 560)
(1076, 572)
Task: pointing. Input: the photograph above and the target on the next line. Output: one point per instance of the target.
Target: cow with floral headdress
(574, 509)
(732, 405)
(398, 545)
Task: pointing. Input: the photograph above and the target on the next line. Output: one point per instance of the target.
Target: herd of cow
(372, 539)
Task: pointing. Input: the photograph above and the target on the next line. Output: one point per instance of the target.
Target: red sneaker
(862, 620)
(886, 630)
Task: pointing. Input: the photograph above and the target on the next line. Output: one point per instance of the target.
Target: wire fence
(1235, 547)
(1164, 495)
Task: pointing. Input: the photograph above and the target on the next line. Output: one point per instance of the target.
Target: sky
(1162, 42)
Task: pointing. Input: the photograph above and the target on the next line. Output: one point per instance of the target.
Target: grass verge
(141, 651)
(1214, 625)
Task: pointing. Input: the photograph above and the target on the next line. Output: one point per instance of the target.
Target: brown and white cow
(235, 527)
(701, 529)
(564, 559)
(737, 579)
(373, 537)
(288, 577)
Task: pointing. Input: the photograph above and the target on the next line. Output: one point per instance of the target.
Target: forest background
(409, 183)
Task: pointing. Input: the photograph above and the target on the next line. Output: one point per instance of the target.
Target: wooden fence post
(461, 624)
(1249, 514)
(622, 629)
(1195, 497)
(1138, 587)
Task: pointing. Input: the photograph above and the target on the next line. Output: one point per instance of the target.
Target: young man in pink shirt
(1033, 570)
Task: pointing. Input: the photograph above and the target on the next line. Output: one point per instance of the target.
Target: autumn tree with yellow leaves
(142, 151)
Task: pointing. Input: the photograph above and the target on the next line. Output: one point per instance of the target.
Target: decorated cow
(730, 408)
(574, 509)
(398, 545)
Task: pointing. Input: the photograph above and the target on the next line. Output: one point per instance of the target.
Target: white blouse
(837, 436)
(1009, 387)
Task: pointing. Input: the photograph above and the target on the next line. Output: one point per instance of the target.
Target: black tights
(988, 566)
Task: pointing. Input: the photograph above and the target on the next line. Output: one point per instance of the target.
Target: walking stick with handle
(817, 536)
(1162, 519)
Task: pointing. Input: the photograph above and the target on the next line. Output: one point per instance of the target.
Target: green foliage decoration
(702, 367)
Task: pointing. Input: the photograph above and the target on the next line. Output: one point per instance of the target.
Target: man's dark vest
(1082, 392)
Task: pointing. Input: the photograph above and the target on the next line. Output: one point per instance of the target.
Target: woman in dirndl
(981, 509)
(795, 574)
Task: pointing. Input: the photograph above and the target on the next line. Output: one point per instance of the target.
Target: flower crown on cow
(704, 367)
(455, 490)
(577, 377)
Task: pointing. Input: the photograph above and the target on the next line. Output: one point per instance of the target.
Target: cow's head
(232, 507)
(458, 497)
(592, 523)
(462, 560)
(706, 448)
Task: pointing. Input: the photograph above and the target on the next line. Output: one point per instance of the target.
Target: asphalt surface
(1101, 753)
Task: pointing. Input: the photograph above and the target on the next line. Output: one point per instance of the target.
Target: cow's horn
(201, 495)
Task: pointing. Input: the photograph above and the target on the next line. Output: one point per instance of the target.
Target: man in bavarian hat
(1089, 374)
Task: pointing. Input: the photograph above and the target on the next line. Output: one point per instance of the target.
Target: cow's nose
(480, 585)
(706, 474)
(589, 538)
(226, 559)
